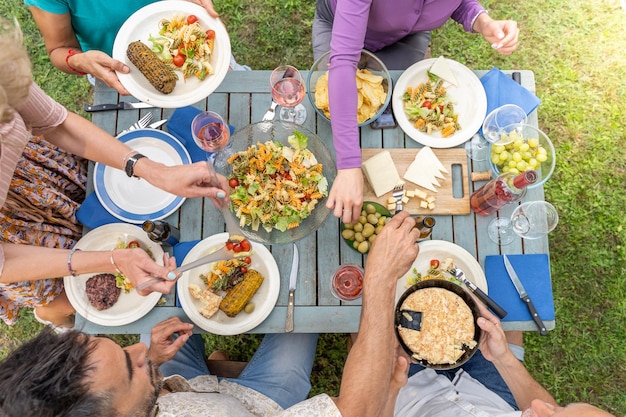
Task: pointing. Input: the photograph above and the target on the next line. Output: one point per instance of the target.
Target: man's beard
(148, 407)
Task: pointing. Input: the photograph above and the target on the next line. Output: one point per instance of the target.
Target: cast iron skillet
(458, 290)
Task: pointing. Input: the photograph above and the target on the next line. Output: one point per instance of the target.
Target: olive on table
(348, 234)
(370, 209)
(363, 246)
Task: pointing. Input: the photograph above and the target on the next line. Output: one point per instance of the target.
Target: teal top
(95, 22)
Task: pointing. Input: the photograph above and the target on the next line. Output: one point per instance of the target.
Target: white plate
(441, 249)
(144, 22)
(470, 103)
(264, 299)
(135, 200)
(130, 306)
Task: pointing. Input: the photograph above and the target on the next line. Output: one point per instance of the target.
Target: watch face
(130, 164)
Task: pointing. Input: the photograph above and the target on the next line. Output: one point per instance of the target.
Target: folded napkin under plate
(534, 272)
(501, 89)
(180, 251)
(93, 214)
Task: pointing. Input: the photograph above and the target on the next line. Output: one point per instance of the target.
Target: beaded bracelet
(476, 18)
(71, 52)
(113, 262)
(69, 262)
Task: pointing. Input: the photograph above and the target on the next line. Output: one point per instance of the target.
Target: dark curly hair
(46, 377)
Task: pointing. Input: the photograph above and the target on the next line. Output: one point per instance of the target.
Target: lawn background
(576, 50)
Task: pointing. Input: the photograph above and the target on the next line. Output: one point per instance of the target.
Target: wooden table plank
(244, 97)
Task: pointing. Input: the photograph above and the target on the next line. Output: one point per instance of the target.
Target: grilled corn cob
(162, 77)
(238, 297)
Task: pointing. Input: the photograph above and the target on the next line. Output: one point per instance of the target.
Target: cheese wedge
(425, 170)
(381, 173)
(442, 70)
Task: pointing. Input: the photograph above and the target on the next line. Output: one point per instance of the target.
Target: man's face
(128, 374)
(540, 408)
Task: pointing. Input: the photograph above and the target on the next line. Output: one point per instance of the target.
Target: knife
(524, 296)
(125, 105)
(158, 124)
(293, 278)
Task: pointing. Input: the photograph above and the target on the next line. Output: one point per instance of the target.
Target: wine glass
(288, 91)
(498, 121)
(530, 220)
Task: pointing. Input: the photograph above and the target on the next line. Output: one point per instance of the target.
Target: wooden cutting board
(453, 195)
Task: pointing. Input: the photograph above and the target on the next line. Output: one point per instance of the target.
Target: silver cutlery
(293, 279)
(398, 193)
(221, 254)
(158, 124)
(493, 306)
(524, 296)
(139, 124)
(125, 105)
(271, 112)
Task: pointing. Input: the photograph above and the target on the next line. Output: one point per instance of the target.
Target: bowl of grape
(523, 147)
(361, 234)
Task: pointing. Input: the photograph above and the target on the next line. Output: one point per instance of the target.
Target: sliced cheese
(381, 173)
(425, 170)
(442, 70)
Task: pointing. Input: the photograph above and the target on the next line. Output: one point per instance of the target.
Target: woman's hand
(501, 34)
(208, 5)
(101, 66)
(138, 267)
(346, 195)
(163, 344)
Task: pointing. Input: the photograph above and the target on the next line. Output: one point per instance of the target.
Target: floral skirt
(47, 189)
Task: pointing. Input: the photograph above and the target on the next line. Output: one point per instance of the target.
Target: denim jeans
(280, 368)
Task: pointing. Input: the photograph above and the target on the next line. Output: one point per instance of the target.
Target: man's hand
(394, 249)
(493, 345)
(163, 345)
(346, 195)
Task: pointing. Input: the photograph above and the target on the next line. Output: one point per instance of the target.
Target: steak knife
(293, 278)
(125, 105)
(524, 296)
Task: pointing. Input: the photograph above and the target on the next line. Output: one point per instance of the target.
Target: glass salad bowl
(262, 185)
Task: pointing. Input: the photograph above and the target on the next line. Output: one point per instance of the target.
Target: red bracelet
(71, 52)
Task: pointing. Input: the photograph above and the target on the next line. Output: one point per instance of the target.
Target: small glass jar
(346, 283)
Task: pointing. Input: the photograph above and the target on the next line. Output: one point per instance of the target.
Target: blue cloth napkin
(179, 125)
(501, 90)
(534, 272)
(92, 214)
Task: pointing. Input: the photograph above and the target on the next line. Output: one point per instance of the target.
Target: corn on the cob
(162, 77)
(238, 297)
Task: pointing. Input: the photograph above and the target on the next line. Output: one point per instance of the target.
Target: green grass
(576, 52)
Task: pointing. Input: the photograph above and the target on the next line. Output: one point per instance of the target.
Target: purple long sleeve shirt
(374, 24)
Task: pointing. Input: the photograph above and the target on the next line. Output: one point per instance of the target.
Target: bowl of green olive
(361, 234)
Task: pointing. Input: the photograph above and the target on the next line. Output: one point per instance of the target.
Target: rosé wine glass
(288, 91)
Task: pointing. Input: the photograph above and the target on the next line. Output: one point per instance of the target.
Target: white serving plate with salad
(145, 22)
(440, 250)
(264, 299)
(469, 99)
(129, 306)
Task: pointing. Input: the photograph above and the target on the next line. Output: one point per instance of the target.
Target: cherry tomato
(434, 263)
(247, 260)
(245, 245)
(191, 19)
(133, 244)
(286, 176)
(233, 182)
(427, 104)
(441, 108)
(244, 269)
(179, 60)
(210, 34)
(229, 245)
(237, 247)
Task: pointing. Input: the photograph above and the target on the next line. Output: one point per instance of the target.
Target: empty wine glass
(530, 220)
(501, 119)
(288, 91)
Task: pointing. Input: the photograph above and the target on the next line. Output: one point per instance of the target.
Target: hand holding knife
(293, 278)
(524, 296)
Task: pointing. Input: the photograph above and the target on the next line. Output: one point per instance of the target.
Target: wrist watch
(130, 164)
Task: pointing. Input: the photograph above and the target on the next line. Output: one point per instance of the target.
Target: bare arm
(495, 348)
(370, 375)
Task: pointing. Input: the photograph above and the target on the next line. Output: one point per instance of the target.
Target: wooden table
(243, 98)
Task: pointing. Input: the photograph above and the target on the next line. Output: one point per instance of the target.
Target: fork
(139, 124)
(271, 112)
(398, 194)
(495, 307)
